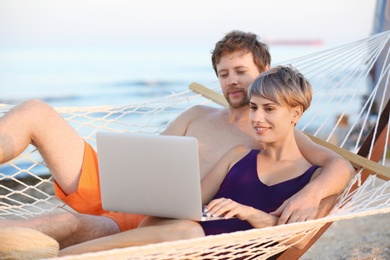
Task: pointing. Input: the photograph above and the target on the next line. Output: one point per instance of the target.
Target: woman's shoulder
(237, 153)
(240, 149)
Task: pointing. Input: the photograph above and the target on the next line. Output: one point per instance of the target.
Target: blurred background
(104, 52)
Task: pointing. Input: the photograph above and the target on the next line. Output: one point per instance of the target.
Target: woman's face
(271, 122)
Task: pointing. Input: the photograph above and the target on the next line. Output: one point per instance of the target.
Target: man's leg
(35, 122)
(67, 228)
(152, 230)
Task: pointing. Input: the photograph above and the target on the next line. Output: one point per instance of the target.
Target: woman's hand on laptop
(228, 208)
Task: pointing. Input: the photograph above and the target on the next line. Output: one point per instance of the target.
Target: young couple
(275, 149)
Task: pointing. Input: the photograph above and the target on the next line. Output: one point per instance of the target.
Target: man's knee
(99, 225)
(35, 112)
(37, 107)
(73, 228)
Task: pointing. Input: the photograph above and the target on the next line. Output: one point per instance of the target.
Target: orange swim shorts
(87, 198)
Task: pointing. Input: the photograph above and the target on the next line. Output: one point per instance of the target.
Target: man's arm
(336, 174)
(180, 125)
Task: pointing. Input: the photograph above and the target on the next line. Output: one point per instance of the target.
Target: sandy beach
(358, 238)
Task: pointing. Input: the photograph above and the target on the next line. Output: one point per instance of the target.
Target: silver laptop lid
(154, 175)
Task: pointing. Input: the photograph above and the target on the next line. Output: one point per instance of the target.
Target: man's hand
(300, 207)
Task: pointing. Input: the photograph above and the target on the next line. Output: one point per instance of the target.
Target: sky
(173, 22)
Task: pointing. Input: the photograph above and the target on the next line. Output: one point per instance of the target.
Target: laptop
(155, 175)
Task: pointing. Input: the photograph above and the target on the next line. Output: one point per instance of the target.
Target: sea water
(71, 76)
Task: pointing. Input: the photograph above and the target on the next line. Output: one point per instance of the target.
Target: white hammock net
(343, 87)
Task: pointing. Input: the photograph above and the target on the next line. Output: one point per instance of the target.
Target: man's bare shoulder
(204, 110)
(202, 113)
(195, 116)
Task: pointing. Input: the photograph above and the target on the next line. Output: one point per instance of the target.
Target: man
(237, 60)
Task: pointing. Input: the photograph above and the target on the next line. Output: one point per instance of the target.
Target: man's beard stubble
(242, 103)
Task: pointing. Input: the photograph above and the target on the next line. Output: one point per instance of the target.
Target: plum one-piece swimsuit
(243, 185)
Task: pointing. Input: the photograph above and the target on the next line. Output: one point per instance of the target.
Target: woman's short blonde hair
(283, 85)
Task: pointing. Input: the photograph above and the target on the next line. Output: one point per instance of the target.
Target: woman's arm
(212, 181)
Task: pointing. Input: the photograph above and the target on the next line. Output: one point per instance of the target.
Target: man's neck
(238, 115)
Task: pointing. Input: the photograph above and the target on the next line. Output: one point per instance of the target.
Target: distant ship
(315, 42)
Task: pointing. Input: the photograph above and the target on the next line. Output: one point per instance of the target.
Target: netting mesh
(345, 108)
(26, 187)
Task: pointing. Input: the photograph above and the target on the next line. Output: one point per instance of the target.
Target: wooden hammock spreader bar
(208, 93)
(356, 160)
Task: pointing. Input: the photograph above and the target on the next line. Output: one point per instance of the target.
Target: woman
(245, 184)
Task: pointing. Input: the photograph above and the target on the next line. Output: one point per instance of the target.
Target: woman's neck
(286, 149)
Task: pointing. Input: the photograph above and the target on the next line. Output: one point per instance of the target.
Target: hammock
(343, 88)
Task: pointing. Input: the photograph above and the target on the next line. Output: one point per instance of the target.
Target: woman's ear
(297, 114)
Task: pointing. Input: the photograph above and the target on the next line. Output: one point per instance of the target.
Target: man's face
(236, 71)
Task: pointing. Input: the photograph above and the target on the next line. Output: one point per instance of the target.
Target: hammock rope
(342, 88)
